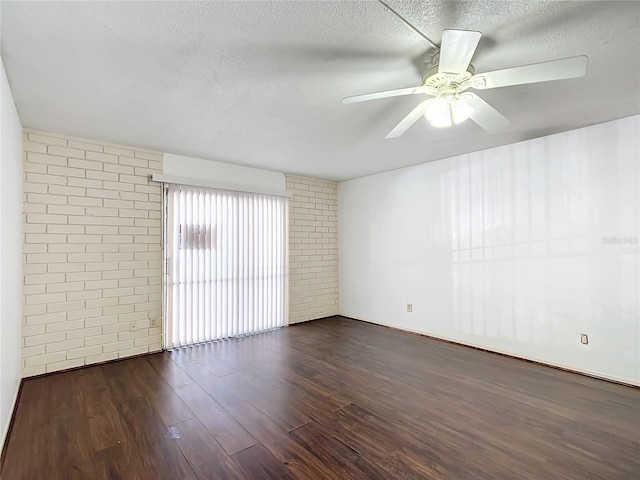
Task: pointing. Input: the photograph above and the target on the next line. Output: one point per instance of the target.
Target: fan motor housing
(450, 81)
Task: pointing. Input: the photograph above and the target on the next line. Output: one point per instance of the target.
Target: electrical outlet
(133, 327)
(584, 338)
(409, 307)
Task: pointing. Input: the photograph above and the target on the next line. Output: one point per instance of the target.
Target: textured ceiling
(260, 83)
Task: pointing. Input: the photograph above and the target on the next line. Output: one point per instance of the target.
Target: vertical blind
(226, 264)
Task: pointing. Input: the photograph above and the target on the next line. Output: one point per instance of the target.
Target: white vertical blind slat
(254, 266)
(226, 264)
(234, 265)
(218, 269)
(208, 261)
(169, 267)
(201, 277)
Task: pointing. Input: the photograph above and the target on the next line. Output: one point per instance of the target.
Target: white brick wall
(92, 253)
(313, 248)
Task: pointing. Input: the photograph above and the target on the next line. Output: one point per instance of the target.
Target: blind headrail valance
(233, 187)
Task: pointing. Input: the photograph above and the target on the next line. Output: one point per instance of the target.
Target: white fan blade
(485, 115)
(571, 67)
(458, 46)
(409, 120)
(389, 93)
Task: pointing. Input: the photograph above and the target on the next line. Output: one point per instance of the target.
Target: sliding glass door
(226, 264)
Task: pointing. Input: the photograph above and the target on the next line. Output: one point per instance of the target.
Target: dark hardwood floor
(329, 399)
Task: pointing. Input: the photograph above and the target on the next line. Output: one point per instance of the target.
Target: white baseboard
(5, 430)
(590, 373)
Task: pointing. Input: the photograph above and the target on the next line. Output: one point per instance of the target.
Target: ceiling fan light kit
(447, 110)
(453, 74)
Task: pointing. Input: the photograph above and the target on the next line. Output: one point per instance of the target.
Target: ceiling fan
(448, 81)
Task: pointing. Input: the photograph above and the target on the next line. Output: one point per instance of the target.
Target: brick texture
(313, 248)
(92, 253)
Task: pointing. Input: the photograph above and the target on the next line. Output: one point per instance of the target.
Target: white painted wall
(10, 253)
(517, 249)
(223, 173)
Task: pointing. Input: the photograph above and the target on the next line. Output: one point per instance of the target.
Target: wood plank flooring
(329, 399)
